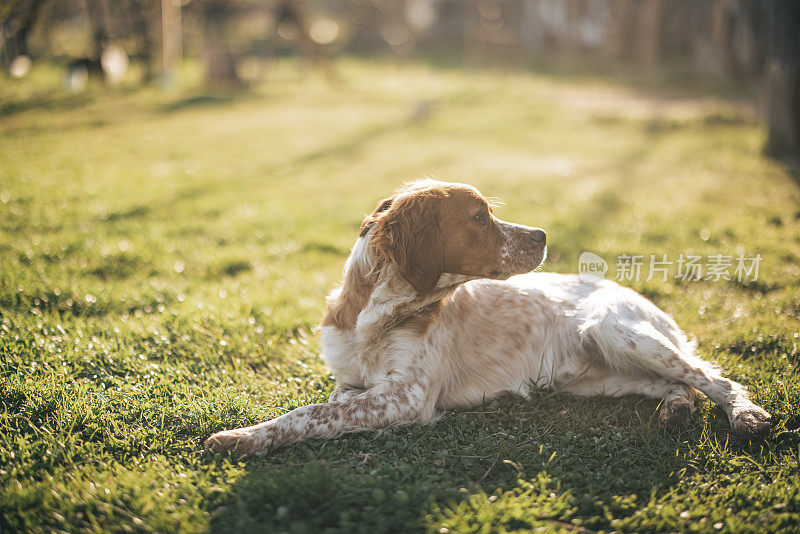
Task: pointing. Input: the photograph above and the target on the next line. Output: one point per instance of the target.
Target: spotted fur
(435, 311)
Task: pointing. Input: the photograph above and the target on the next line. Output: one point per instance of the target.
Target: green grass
(164, 259)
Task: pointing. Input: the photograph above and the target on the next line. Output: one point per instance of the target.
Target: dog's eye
(481, 217)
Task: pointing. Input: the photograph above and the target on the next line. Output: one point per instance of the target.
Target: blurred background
(750, 45)
(181, 182)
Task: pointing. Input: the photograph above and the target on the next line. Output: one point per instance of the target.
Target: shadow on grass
(404, 479)
(675, 82)
(205, 100)
(47, 102)
(792, 167)
(198, 101)
(355, 142)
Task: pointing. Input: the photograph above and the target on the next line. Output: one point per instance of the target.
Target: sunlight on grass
(164, 260)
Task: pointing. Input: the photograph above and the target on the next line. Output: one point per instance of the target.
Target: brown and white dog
(430, 316)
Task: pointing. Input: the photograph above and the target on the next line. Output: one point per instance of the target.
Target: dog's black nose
(539, 236)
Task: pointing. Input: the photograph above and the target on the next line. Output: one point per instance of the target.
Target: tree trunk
(782, 80)
(16, 29)
(782, 91)
(650, 17)
(96, 11)
(140, 27)
(220, 61)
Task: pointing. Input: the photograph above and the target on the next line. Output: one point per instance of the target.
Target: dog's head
(430, 228)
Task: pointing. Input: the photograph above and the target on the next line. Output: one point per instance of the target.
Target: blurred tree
(293, 20)
(125, 23)
(17, 18)
(782, 79)
(220, 61)
(171, 39)
(144, 17)
(98, 21)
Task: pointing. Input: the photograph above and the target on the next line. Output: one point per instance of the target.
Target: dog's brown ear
(407, 234)
(370, 220)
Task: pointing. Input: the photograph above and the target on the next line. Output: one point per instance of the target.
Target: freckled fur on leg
(678, 400)
(375, 408)
(654, 352)
(438, 309)
(678, 406)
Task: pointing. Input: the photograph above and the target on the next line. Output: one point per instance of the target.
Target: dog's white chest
(339, 349)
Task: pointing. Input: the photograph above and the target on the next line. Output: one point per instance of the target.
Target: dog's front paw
(750, 421)
(238, 441)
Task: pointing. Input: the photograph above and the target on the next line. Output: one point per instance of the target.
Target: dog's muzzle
(524, 250)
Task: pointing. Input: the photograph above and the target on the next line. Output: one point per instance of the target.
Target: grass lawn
(164, 259)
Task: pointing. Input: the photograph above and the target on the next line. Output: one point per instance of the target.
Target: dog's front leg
(342, 393)
(380, 406)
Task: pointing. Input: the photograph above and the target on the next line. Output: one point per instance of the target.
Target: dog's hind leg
(677, 406)
(642, 345)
